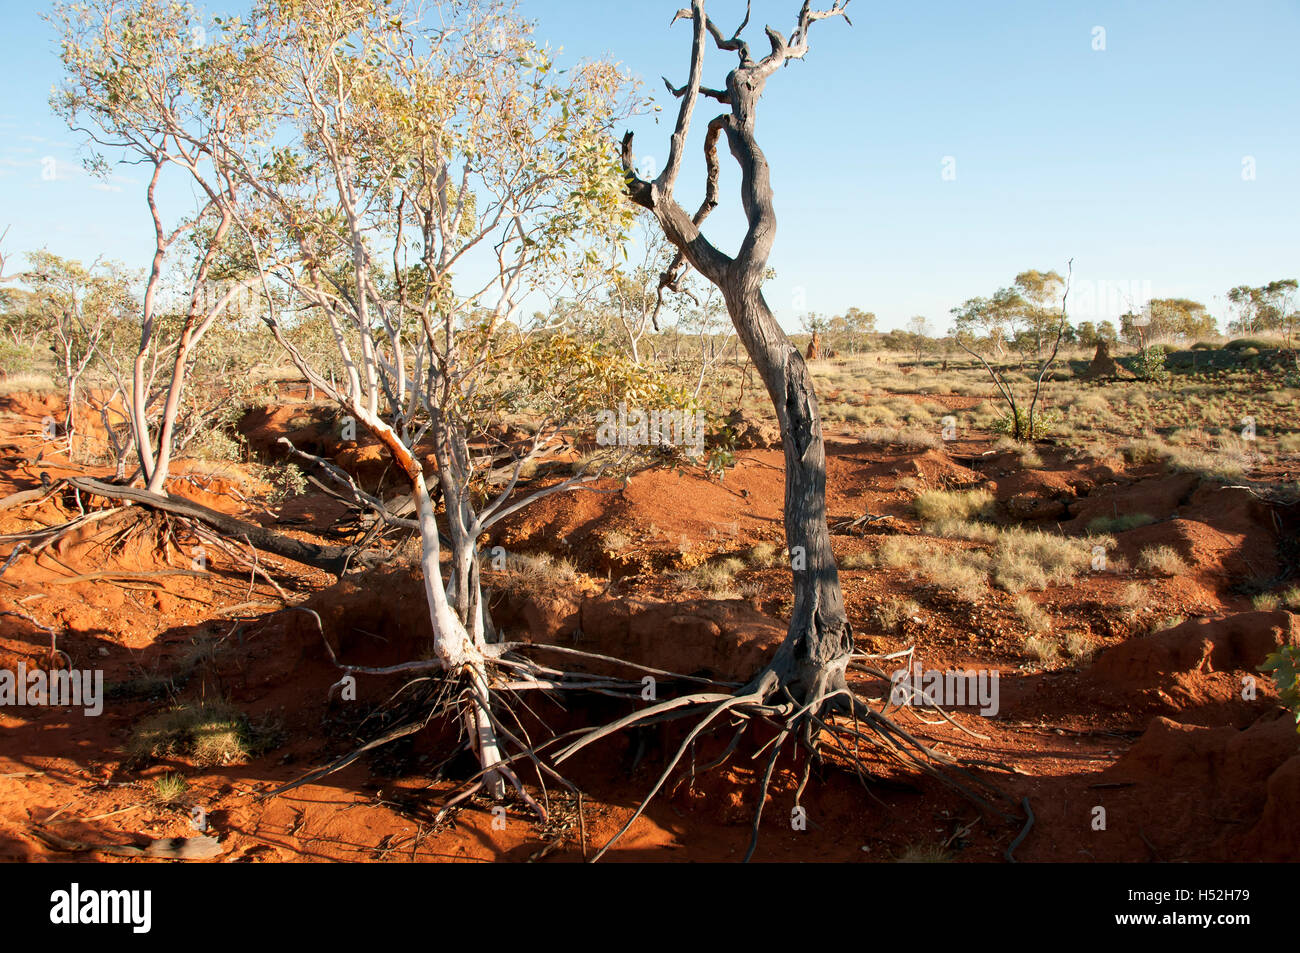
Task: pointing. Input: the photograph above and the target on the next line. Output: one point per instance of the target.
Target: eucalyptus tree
(431, 167)
(152, 87)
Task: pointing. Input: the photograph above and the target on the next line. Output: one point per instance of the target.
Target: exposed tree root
(834, 725)
(333, 559)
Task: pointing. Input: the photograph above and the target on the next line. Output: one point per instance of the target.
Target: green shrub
(1046, 421)
(1285, 666)
(1151, 364)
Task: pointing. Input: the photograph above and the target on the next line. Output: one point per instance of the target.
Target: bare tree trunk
(819, 640)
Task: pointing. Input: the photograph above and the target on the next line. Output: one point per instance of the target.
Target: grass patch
(1031, 616)
(925, 854)
(715, 578)
(964, 571)
(862, 560)
(1119, 524)
(208, 734)
(169, 788)
(893, 612)
(933, 506)
(764, 555)
(1162, 561)
(1031, 559)
(1043, 650)
(1267, 601)
(1079, 646)
(909, 438)
(536, 573)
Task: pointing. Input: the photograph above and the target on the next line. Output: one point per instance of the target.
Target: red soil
(1155, 729)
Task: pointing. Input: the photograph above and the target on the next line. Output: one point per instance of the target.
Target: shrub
(1285, 666)
(1245, 344)
(1046, 421)
(1150, 364)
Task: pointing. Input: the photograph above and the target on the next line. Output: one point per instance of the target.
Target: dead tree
(804, 690)
(812, 660)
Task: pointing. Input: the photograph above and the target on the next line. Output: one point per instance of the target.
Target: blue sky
(1129, 159)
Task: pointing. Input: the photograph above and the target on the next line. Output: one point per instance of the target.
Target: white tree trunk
(454, 646)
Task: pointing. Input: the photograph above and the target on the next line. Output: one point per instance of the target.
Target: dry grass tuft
(1163, 561)
(208, 734)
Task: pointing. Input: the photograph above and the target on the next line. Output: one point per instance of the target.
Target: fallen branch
(202, 847)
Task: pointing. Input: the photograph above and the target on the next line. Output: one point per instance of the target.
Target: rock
(751, 433)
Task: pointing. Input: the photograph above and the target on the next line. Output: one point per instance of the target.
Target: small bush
(1150, 364)
(1285, 666)
(1046, 422)
(1246, 344)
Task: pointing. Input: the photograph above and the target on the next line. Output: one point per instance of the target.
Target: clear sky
(1165, 163)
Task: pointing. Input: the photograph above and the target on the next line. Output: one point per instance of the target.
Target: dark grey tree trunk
(814, 654)
(819, 640)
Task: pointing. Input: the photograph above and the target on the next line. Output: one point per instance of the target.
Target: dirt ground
(1143, 748)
